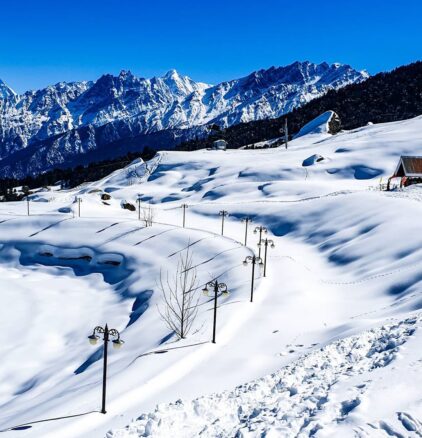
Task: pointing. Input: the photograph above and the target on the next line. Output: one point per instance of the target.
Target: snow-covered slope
(53, 126)
(333, 332)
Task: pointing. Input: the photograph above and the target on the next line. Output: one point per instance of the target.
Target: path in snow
(293, 402)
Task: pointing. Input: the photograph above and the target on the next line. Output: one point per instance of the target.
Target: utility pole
(246, 220)
(184, 206)
(286, 133)
(138, 200)
(79, 206)
(223, 214)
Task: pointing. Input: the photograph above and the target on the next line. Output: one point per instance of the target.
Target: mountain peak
(125, 74)
(172, 74)
(116, 105)
(5, 91)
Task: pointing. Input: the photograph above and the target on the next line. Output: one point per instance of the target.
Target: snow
(330, 346)
(58, 117)
(6, 91)
(319, 125)
(298, 400)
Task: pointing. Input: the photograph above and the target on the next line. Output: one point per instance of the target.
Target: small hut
(219, 145)
(409, 170)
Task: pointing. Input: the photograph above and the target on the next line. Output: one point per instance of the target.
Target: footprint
(347, 406)
(409, 423)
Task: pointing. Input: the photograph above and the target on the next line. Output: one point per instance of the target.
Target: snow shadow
(83, 261)
(358, 172)
(140, 305)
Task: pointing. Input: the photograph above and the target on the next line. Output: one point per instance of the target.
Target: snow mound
(319, 125)
(316, 158)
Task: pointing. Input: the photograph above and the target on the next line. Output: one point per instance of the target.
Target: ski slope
(329, 347)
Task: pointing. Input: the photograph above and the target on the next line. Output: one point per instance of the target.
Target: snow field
(336, 311)
(295, 401)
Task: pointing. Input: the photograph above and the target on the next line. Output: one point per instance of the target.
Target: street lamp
(261, 230)
(79, 200)
(246, 220)
(117, 343)
(266, 242)
(253, 260)
(218, 287)
(184, 206)
(223, 214)
(138, 200)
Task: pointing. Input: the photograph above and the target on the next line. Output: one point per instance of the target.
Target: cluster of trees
(385, 97)
(69, 177)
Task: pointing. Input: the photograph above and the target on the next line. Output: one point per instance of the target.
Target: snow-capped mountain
(54, 126)
(5, 91)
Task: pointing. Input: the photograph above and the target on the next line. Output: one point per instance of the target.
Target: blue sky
(45, 41)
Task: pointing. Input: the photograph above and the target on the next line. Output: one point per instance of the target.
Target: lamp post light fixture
(246, 221)
(253, 260)
(218, 287)
(223, 214)
(184, 206)
(261, 230)
(117, 343)
(266, 242)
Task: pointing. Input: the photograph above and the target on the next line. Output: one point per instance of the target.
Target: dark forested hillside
(385, 97)
(69, 177)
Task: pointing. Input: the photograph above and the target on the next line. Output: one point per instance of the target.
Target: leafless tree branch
(180, 298)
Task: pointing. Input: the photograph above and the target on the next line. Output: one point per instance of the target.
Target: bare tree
(148, 215)
(180, 300)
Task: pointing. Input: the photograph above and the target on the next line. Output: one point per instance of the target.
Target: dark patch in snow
(140, 305)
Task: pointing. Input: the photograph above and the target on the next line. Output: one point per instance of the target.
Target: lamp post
(218, 287)
(184, 207)
(79, 200)
(246, 220)
(266, 242)
(223, 214)
(117, 343)
(138, 200)
(261, 230)
(253, 260)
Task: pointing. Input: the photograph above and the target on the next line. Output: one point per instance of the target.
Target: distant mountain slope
(73, 123)
(385, 97)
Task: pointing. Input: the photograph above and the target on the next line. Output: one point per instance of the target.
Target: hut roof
(409, 166)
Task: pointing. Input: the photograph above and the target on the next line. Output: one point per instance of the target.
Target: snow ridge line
(287, 402)
(352, 282)
(264, 201)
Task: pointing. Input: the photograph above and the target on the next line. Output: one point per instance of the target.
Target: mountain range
(78, 122)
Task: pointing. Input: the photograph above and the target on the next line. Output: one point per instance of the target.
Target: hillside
(385, 97)
(326, 347)
(68, 124)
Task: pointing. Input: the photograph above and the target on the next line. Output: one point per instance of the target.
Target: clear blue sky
(45, 41)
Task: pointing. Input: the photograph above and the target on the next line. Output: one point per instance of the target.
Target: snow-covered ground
(329, 347)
